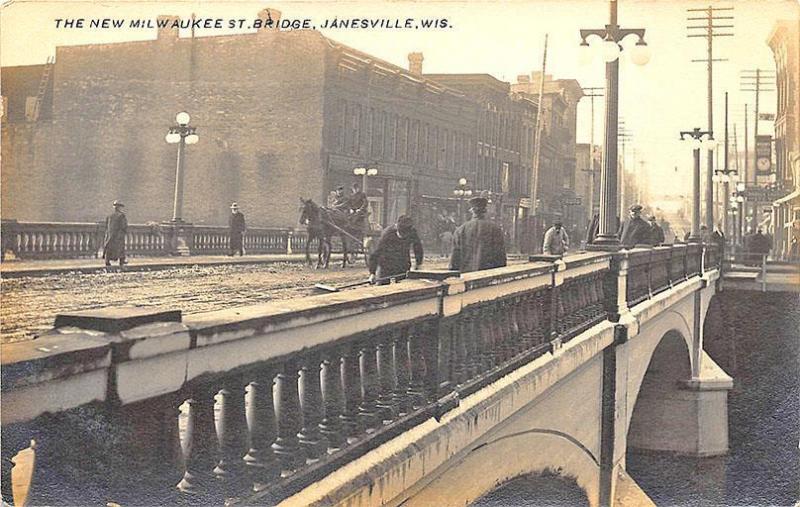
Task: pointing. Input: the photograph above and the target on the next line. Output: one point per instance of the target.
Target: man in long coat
(237, 227)
(358, 204)
(635, 230)
(391, 257)
(656, 232)
(478, 244)
(114, 242)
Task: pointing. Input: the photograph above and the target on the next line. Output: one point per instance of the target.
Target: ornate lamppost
(611, 37)
(697, 139)
(364, 172)
(178, 230)
(462, 191)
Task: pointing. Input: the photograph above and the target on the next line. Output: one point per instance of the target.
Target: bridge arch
(545, 488)
(538, 456)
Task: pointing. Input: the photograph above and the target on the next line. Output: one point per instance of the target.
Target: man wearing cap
(237, 227)
(340, 201)
(114, 243)
(391, 257)
(556, 241)
(635, 230)
(656, 232)
(358, 204)
(478, 243)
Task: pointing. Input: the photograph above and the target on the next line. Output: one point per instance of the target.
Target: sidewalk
(17, 268)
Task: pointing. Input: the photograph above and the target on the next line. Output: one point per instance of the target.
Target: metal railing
(278, 395)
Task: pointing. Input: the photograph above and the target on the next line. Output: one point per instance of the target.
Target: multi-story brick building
(557, 167)
(505, 136)
(784, 40)
(280, 115)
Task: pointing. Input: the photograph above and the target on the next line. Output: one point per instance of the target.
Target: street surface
(30, 304)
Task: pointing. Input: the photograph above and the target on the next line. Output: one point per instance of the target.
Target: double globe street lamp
(364, 172)
(180, 134)
(608, 40)
(697, 139)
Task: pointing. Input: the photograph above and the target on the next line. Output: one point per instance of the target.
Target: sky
(504, 39)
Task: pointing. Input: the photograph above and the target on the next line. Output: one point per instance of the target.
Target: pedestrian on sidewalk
(114, 241)
(635, 231)
(237, 227)
(556, 240)
(391, 257)
(478, 243)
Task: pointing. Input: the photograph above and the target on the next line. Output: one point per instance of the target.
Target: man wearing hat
(391, 256)
(635, 230)
(237, 228)
(556, 241)
(478, 243)
(656, 232)
(114, 242)
(340, 201)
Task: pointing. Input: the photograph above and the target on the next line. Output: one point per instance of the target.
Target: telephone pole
(756, 80)
(592, 92)
(711, 31)
(537, 145)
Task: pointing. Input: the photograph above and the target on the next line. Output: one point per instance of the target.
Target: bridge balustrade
(277, 396)
(62, 240)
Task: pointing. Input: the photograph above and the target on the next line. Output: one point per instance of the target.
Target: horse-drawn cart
(324, 225)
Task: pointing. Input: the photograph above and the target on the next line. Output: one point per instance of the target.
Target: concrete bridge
(434, 391)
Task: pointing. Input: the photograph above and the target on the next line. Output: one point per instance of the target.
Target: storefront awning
(787, 198)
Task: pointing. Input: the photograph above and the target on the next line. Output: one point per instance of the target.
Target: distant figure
(760, 245)
(237, 228)
(114, 243)
(718, 239)
(556, 240)
(705, 236)
(478, 243)
(635, 231)
(656, 232)
(340, 201)
(447, 225)
(358, 205)
(594, 227)
(391, 256)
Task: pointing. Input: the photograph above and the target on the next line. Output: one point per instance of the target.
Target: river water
(760, 349)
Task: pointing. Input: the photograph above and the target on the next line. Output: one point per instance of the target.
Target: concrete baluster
(331, 383)
(232, 434)
(368, 411)
(310, 437)
(473, 338)
(441, 346)
(416, 385)
(287, 411)
(351, 387)
(260, 461)
(402, 368)
(199, 447)
(386, 403)
(459, 349)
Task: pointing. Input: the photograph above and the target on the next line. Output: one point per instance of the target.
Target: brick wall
(255, 99)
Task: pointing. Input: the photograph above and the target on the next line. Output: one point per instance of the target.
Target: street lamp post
(740, 193)
(611, 35)
(181, 134)
(697, 141)
(462, 191)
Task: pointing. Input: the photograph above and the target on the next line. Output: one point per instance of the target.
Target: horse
(322, 224)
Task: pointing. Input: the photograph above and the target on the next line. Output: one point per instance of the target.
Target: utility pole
(756, 80)
(746, 175)
(710, 32)
(538, 141)
(623, 135)
(592, 93)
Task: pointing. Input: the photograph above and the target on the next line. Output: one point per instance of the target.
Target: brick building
(784, 40)
(556, 190)
(505, 135)
(280, 114)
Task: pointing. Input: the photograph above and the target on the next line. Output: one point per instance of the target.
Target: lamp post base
(604, 244)
(177, 237)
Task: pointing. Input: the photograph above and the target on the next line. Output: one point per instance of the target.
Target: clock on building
(763, 164)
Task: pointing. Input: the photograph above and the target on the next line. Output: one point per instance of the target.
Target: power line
(711, 30)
